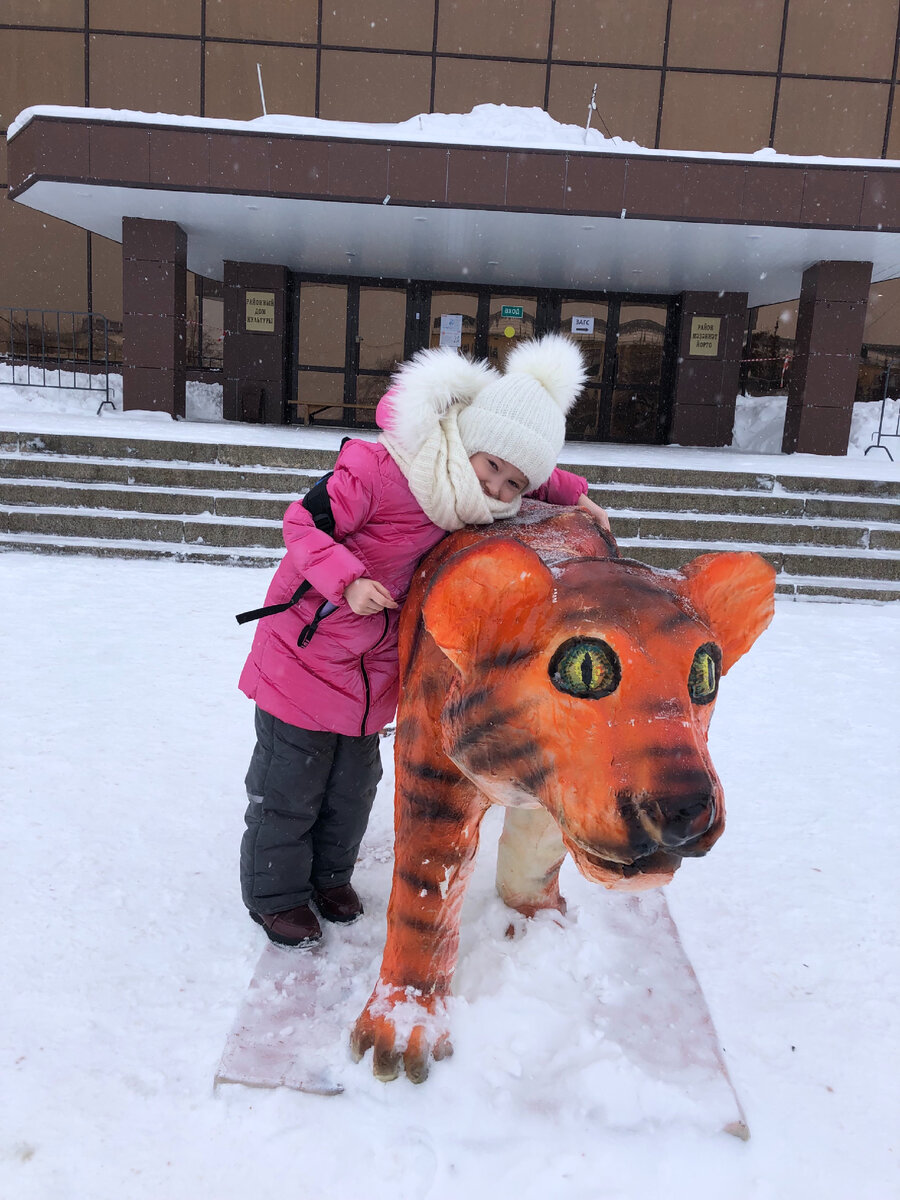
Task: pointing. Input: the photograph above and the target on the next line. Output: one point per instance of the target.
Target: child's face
(497, 477)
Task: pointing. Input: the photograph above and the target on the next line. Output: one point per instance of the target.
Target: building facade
(803, 78)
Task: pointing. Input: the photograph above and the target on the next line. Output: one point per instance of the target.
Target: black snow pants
(309, 796)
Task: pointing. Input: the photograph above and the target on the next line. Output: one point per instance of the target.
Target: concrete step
(617, 498)
(288, 457)
(788, 561)
(54, 467)
(33, 543)
(183, 501)
(131, 526)
(654, 527)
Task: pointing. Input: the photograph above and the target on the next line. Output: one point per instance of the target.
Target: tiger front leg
(405, 1019)
(529, 856)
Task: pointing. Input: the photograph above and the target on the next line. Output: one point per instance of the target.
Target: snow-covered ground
(759, 422)
(127, 950)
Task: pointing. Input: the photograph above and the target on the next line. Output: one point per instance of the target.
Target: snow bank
(759, 425)
(32, 390)
(127, 949)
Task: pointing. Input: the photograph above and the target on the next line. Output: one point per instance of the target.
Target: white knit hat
(521, 415)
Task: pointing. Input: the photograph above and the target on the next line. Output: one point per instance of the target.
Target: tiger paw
(401, 1025)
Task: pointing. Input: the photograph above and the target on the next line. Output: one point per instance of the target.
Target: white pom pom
(427, 386)
(555, 362)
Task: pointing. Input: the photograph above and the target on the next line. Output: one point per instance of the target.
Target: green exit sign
(512, 310)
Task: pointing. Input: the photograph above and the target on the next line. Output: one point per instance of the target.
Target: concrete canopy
(575, 218)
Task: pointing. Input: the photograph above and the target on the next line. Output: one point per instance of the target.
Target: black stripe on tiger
(673, 752)
(501, 659)
(485, 758)
(418, 883)
(427, 771)
(458, 708)
(432, 807)
(498, 719)
(674, 621)
(639, 841)
(536, 778)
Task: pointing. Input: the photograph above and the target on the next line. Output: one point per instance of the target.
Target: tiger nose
(675, 820)
(688, 818)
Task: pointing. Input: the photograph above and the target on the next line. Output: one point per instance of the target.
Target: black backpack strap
(317, 503)
(271, 609)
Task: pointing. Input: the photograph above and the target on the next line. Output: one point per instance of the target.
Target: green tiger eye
(703, 680)
(585, 667)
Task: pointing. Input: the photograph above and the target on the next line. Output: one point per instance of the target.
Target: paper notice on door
(451, 330)
(582, 324)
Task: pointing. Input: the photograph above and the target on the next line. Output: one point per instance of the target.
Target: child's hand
(595, 512)
(367, 596)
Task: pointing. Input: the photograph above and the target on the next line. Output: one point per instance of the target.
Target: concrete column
(154, 287)
(825, 365)
(708, 364)
(257, 354)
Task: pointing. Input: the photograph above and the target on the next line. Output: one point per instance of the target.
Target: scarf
(442, 479)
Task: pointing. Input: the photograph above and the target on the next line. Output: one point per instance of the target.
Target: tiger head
(587, 687)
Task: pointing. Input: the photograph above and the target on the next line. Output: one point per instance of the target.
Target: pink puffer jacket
(346, 678)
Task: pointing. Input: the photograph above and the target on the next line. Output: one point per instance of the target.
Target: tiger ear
(734, 594)
(487, 602)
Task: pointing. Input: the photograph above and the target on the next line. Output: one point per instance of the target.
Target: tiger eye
(703, 680)
(585, 667)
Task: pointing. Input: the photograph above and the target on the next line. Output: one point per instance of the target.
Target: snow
(484, 125)
(127, 949)
(759, 421)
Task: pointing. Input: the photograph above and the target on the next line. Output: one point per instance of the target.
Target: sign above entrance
(260, 312)
(705, 336)
(582, 324)
(512, 310)
(451, 330)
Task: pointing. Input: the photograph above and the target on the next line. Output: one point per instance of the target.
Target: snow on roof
(503, 125)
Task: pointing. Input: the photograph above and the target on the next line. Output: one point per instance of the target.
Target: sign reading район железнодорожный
(705, 336)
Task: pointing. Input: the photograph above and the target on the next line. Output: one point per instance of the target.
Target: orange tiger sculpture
(543, 673)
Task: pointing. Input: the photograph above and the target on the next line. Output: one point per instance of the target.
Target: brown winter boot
(295, 927)
(340, 904)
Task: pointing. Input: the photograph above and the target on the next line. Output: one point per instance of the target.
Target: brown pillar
(710, 342)
(257, 357)
(825, 365)
(154, 282)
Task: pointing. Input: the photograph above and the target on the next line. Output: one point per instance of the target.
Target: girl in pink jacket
(461, 445)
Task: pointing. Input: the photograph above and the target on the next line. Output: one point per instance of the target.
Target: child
(461, 445)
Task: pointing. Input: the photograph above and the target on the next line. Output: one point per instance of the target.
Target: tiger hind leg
(529, 857)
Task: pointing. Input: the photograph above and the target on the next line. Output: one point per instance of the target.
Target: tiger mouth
(658, 863)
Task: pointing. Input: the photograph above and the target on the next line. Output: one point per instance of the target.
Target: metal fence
(56, 348)
(885, 419)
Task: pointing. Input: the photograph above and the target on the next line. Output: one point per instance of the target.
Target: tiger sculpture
(542, 672)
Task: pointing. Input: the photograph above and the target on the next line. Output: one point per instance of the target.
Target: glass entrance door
(636, 391)
(586, 322)
(624, 344)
